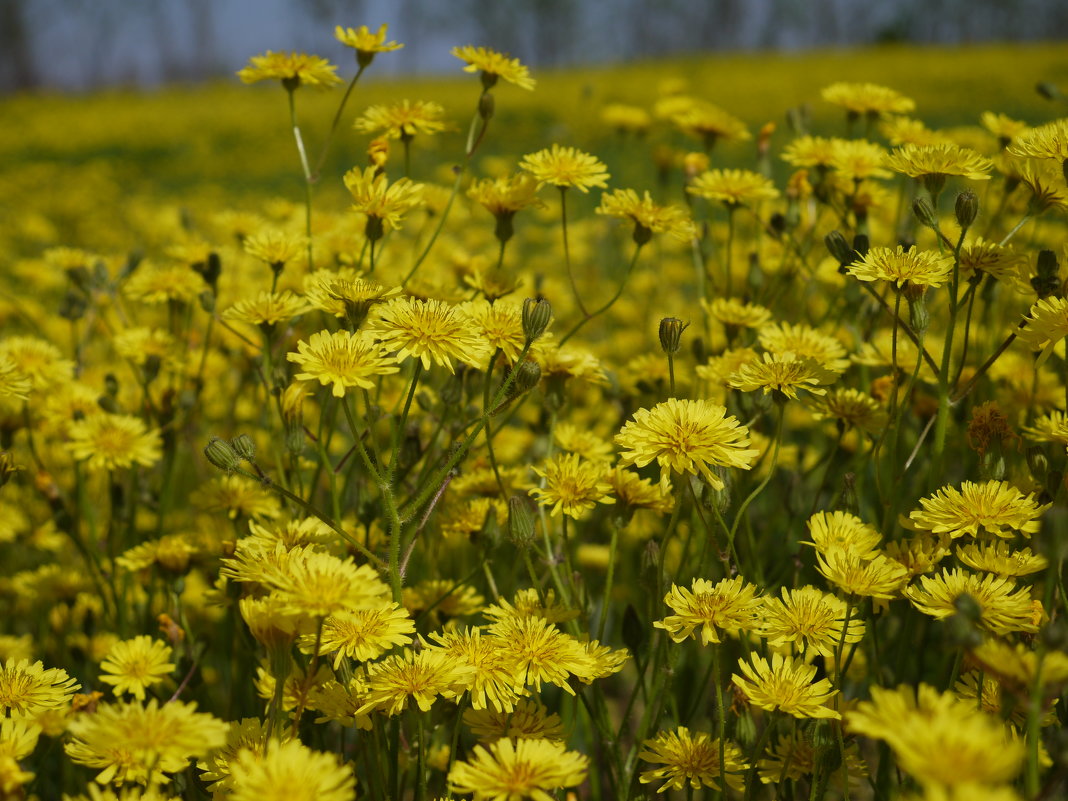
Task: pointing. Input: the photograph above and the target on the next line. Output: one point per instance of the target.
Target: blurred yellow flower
(493, 65)
(292, 69)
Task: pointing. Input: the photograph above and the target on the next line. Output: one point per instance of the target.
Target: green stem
(760, 487)
(619, 291)
(334, 123)
(307, 174)
(613, 543)
(403, 421)
(567, 255)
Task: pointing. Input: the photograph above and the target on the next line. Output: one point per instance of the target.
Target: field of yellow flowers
(600, 435)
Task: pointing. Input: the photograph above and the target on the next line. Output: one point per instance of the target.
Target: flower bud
(839, 248)
(73, 306)
(1037, 462)
(222, 454)
(537, 314)
(521, 520)
(1048, 90)
(966, 208)
(207, 301)
(527, 375)
(671, 329)
(244, 447)
(486, 106)
(8, 468)
(925, 213)
(1046, 281)
(861, 245)
(919, 316)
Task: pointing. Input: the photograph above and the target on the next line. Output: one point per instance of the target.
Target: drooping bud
(537, 314)
(244, 447)
(222, 454)
(521, 520)
(839, 248)
(925, 213)
(671, 329)
(966, 208)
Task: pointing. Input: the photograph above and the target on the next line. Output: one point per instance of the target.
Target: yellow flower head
(363, 634)
(572, 485)
(726, 607)
(289, 770)
(783, 374)
(402, 120)
(383, 202)
(867, 98)
(492, 681)
(493, 65)
(733, 187)
(1046, 325)
(512, 771)
(292, 69)
(343, 360)
(29, 688)
(857, 159)
(1049, 141)
(431, 331)
(922, 161)
(566, 167)
(923, 268)
(133, 665)
(503, 197)
(1004, 607)
(114, 441)
(785, 685)
(648, 217)
(809, 619)
(365, 43)
(691, 759)
(709, 123)
(979, 509)
(267, 308)
(686, 436)
(418, 677)
(850, 407)
(875, 577)
(528, 720)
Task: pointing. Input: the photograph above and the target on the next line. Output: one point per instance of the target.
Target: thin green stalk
(307, 174)
(403, 421)
(612, 545)
(729, 250)
(337, 118)
(567, 255)
(760, 487)
(619, 291)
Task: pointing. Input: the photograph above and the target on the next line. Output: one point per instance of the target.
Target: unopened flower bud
(925, 213)
(1037, 462)
(671, 329)
(839, 248)
(244, 447)
(222, 454)
(527, 375)
(486, 106)
(207, 301)
(521, 520)
(966, 208)
(919, 316)
(537, 313)
(861, 245)
(73, 306)
(1048, 90)
(210, 270)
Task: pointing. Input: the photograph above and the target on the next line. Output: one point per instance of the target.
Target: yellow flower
(810, 151)
(1005, 128)
(317, 584)
(363, 634)
(113, 442)
(572, 485)
(733, 312)
(990, 507)
(686, 437)
(267, 308)
(492, 681)
(511, 771)
(810, 619)
(566, 167)
(503, 197)
(648, 217)
(877, 577)
(133, 665)
(794, 757)
(36, 359)
(537, 652)
(384, 203)
(290, 771)
(857, 159)
(13, 382)
(292, 69)
(709, 123)
(342, 359)
(902, 130)
(804, 342)
(784, 374)
(418, 677)
(27, 689)
(728, 606)
(528, 720)
(1046, 325)
(939, 161)
(867, 98)
(493, 65)
(923, 268)
(785, 685)
(402, 120)
(625, 118)
(1004, 608)
(274, 247)
(850, 407)
(431, 331)
(365, 43)
(344, 294)
(691, 759)
(500, 324)
(1049, 141)
(733, 187)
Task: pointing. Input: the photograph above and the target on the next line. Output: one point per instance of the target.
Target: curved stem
(619, 291)
(567, 253)
(760, 487)
(334, 124)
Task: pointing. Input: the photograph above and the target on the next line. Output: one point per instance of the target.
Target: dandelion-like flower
(528, 720)
(1045, 326)
(431, 331)
(113, 441)
(1049, 141)
(785, 685)
(877, 577)
(784, 374)
(13, 382)
(366, 44)
(343, 360)
(938, 161)
(267, 308)
(511, 771)
(402, 120)
(686, 436)
(134, 665)
(990, 507)
(858, 159)
(648, 217)
(274, 247)
(414, 677)
(691, 759)
(867, 98)
(733, 187)
(809, 619)
(346, 294)
(1004, 607)
(503, 197)
(566, 167)
(728, 606)
(317, 584)
(735, 313)
(709, 123)
(537, 652)
(493, 680)
(923, 268)
(493, 65)
(384, 203)
(850, 407)
(29, 688)
(364, 634)
(999, 558)
(290, 771)
(292, 69)
(572, 485)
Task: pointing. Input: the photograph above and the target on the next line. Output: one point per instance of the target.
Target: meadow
(684, 429)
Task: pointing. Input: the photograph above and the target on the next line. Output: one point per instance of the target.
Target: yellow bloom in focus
(493, 65)
(537, 652)
(785, 685)
(384, 203)
(857, 159)
(733, 187)
(784, 374)
(274, 247)
(877, 577)
(511, 771)
(365, 43)
(492, 681)
(317, 584)
(809, 619)
(923, 268)
(726, 607)
(1004, 607)
(867, 98)
(999, 558)
(290, 771)
(26, 689)
(566, 167)
(810, 151)
(939, 161)
(133, 665)
(267, 308)
(1004, 127)
(342, 359)
(503, 197)
(1049, 141)
(418, 677)
(344, 294)
(402, 120)
(691, 759)
(363, 634)
(292, 69)
(500, 324)
(572, 485)
(1046, 325)
(990, 507)
(529, 720)
(431, 331)
(686, 436)
(131, 743)
(648, 217)
(113, 442)
(529, 603)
